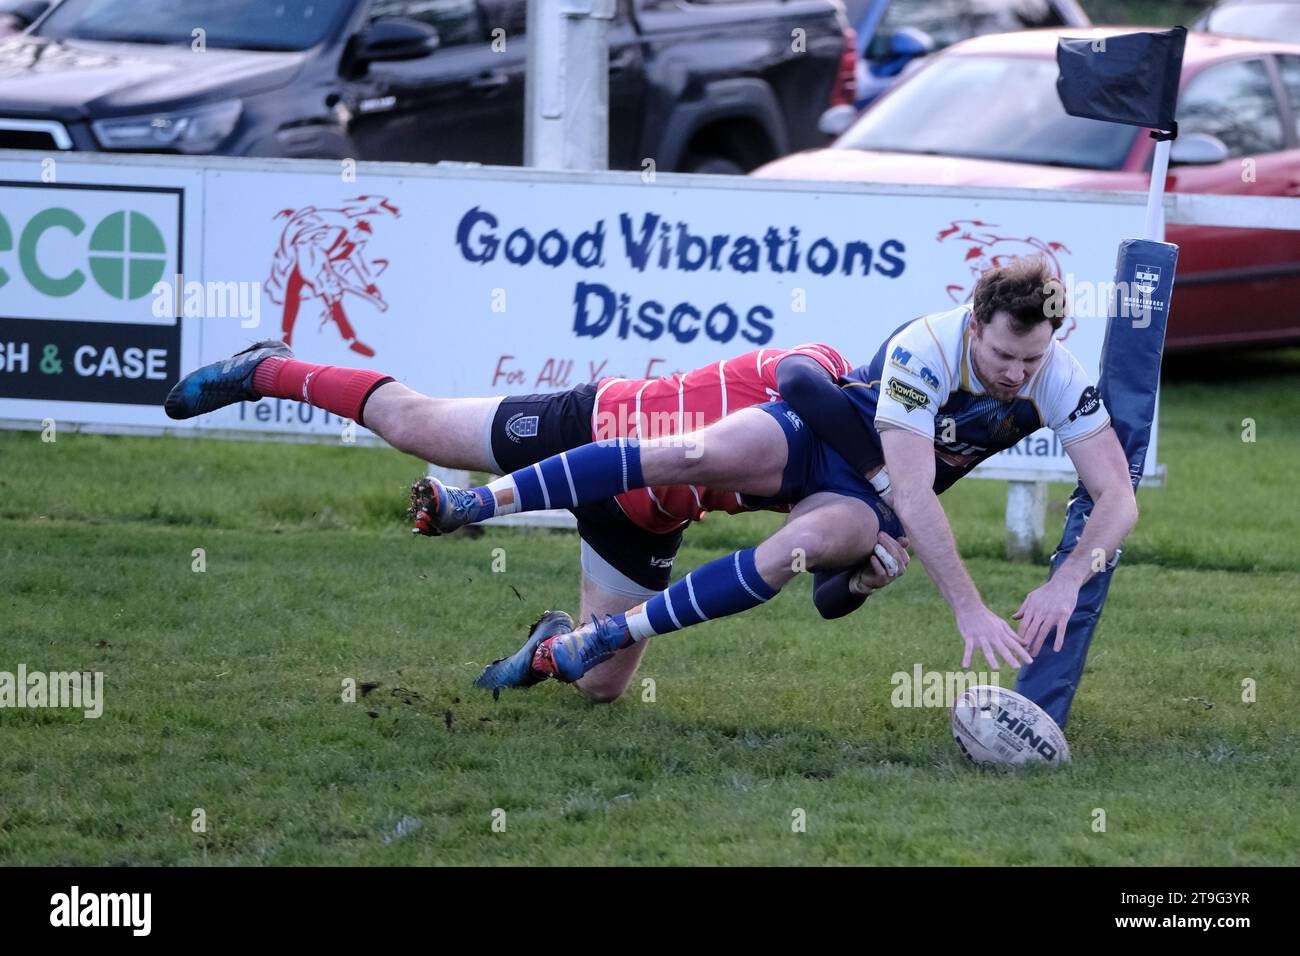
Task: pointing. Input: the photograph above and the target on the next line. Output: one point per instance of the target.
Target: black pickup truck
(707, 86)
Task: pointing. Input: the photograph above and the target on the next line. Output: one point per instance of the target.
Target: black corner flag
(1131, 78)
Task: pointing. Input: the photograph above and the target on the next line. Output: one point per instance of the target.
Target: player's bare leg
(451, 432)
(824, 530)
(607, 681)
(744, 452)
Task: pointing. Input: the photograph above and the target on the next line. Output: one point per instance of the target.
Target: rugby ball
(994, 725)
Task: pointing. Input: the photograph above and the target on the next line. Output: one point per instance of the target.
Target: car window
(508, 15)
(1023, 123)
(458, 21)
(944, 20)
(1290, 68)
(231, 24)
(1001, 16)
(1264, 21)
(1233, 101)
(948, 21)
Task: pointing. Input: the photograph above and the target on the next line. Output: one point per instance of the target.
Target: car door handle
(1293, 188)
(489, 82)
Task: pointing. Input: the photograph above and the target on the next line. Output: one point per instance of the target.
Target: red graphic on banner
(986, 249)
(322, 255)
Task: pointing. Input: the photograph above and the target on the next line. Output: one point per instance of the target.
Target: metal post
(566, 116)
(1026, 515)
(1155, 222)
(566, 99)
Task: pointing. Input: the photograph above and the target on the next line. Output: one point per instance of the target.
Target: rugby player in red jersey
(629, 541)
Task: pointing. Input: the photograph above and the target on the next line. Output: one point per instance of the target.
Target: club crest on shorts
(521, 426)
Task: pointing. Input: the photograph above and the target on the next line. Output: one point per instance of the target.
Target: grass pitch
(224, 689)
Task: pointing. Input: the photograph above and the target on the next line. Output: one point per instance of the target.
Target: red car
(985, 113)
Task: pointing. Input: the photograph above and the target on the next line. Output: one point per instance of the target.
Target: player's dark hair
(1026, 289)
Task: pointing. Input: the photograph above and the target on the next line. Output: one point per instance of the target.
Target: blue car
(894, 34)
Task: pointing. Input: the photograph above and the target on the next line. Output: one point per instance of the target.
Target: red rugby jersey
(681, 403)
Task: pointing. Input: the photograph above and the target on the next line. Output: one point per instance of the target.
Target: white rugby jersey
(922, 380)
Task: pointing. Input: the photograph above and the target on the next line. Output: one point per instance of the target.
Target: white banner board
(125, 271)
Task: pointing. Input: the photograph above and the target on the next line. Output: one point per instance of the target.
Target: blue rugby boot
(517, 669)
(568, 656)
(437, 508)
(221, 383)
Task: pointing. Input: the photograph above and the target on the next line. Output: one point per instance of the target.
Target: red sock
(342, 391)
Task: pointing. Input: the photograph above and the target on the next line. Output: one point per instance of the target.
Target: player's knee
(830, 545)
(601, 692)
(807, 548)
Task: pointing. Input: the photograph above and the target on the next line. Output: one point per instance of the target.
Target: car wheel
(712, 165)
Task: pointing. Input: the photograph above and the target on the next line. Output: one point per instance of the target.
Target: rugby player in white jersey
(944, 392)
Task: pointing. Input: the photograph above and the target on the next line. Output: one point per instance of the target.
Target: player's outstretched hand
(1047, 607)
(886, 565)
(982, 628)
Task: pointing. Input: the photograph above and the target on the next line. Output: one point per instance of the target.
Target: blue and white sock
(580, 476)
(725, 586)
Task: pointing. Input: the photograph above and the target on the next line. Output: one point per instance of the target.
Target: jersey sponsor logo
(521, 426)
(1089, 402)
(795, 420)
(901, 359)
(906, 395)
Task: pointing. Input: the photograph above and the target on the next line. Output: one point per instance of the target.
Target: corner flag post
(1130, 79)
